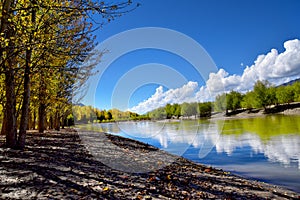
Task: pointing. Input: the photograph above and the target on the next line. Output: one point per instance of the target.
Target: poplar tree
(45, 42)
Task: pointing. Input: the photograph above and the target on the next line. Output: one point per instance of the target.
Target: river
(264, 148)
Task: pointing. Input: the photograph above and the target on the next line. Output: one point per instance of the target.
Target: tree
(189, 109)
(176, 110)
(296, 89)
(271, 96)
(169, 111)
(27, 71)
(108, 116)
(159, 113)
(260, 93)
(248, 101)
(101, 116)
(264, 94)
(47, 41)
(7, 60)
(220, 103)
(233, 100)
(260, 90)
(205, 109)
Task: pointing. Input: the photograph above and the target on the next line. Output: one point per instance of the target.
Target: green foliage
(184, 109)
(189, 109)
(159, 113)
(265, 94)
(205, 109)
(285, 94)
(122, 116)
(233, 100)
(271, 96)
(88, 114)
(83, 114)
(169, 111)
(296, 89)
(220, 103)
(173, 110)
(248, 101)
(260, 93)
(176, 110)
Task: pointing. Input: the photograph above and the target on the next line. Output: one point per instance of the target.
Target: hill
(290, 82)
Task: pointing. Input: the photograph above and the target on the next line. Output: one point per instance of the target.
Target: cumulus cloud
(275, 67)
(186, 93)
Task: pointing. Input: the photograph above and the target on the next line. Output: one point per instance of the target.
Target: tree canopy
(42, 47)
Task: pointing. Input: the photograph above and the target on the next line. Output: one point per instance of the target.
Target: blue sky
(233, 33)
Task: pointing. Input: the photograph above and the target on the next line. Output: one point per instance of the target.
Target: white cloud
(274, 67)
(186, 93)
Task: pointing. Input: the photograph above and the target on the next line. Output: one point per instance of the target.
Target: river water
(264, 148)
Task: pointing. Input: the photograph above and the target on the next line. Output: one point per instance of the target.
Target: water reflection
(284, 149)
(265, 148)
(277, 137)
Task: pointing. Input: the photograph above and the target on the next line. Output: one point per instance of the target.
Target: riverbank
(59, 165)
(288, 109)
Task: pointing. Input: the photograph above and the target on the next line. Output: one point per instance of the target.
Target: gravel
(89, 165)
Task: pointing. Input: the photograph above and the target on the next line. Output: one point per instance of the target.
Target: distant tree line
(264, 95)
(182, 110)
(88, 114)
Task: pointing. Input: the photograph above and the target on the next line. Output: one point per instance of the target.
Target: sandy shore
(259, 113)
(59, 165)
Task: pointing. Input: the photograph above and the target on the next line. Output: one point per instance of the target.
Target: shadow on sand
(56, 165)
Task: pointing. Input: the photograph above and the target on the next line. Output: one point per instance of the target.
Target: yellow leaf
(169, 177)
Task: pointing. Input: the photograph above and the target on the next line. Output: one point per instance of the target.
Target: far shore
(284, 109)
(290, 109)
(242, 114)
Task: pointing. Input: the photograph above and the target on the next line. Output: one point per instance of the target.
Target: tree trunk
(26, 101)
(42, 104)
(51, 122)
(57, 121)
(10, 105)
(34, 120)
(63, 122)
(42, 117)
(26, 94)
(3, 123)
(10, 122)
(29, 123)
